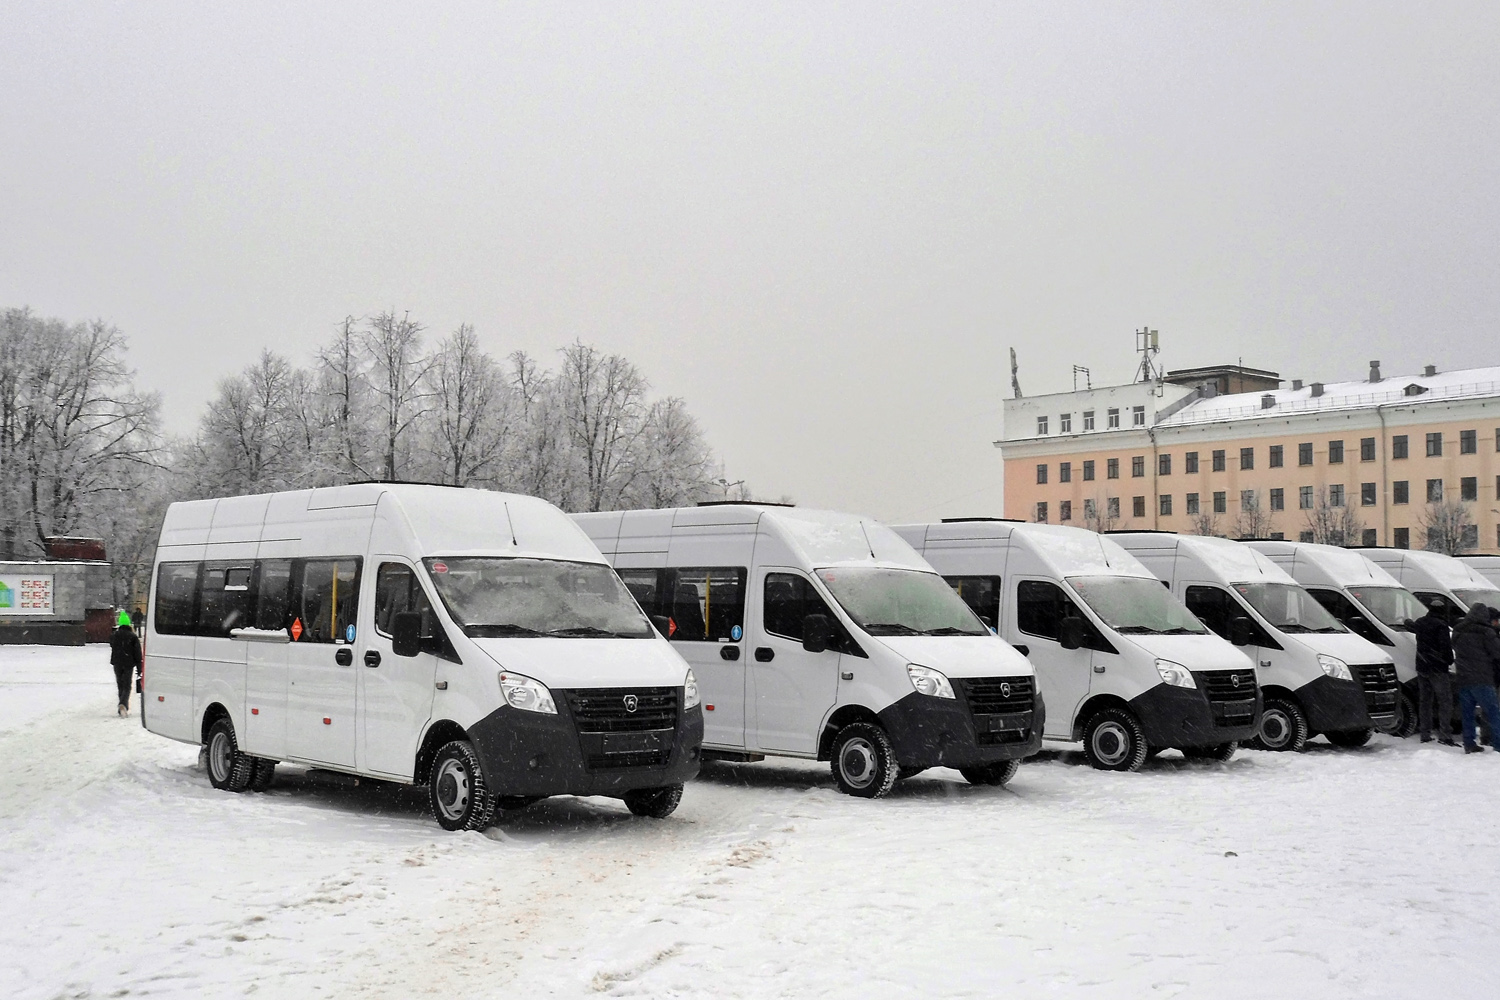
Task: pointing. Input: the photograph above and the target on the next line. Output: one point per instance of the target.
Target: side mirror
(1023, 649)
(817, 633)
(406, 633)
(1240, 630)
(1073, 633)
(663, 625)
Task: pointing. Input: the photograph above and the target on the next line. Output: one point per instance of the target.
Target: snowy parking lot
(1332, 873)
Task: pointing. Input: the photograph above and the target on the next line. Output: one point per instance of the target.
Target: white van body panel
(1487, 566)
(1426, 573)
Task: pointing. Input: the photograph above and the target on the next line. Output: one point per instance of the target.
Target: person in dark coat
(1434, 658)
(125, 657)
(1476, 659)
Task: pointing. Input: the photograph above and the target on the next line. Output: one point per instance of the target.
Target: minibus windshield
(901, 602)
(1471, 597)
(493, 597)
(1288, 607)
(1393, 606)
(1133, 605)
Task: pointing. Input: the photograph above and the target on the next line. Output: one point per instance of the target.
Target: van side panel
(219, 673)
(167, 699)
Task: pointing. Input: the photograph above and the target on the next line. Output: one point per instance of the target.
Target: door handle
(344, 656)
(372, 657)
(847, 675)
(729, 652)
(764, 654)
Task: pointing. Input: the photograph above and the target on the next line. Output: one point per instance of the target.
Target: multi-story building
(1228, 451)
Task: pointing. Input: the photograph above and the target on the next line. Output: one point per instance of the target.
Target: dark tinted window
(1304, 453)
(225, 601)
(1218, 458)
(1041, 607)
(647, 587)
(1399, 446)
(707, 603)
(789, 599)
(1190, 462)
(328, 596)
(273, 599)
(1336, 604)
(1213, 606)
(1367, 449)
(176, 598)
(1247, 458)
(1335, 452)
(980, 593)
(1275, 459)
(397, 591)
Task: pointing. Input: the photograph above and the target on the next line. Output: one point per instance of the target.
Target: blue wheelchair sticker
(735, 633)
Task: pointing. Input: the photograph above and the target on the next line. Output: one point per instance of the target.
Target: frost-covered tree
(1449, 527)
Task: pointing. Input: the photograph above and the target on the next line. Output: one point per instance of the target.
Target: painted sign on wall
(26, 595)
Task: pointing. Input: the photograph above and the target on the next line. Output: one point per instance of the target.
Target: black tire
(1219, 751)
(263, 774)
(991, 774)
(863, 761)
(1283, 726)
(1113, 741)
(655, 803)
(228, 769)
(460, 798)
(1350, 738)
(1406, 716)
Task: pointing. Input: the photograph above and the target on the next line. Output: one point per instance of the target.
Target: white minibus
(475, 642)
(1430, 575)
(1315, 675)
(1125, 668)
(823, 635)
(1369, 601)
(1487, 566)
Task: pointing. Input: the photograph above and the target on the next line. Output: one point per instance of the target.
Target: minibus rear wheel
(863, 761)
(1113, 740)
(460, 798)
(1283, 726)
(991, 774)
(263, 774)
(228, 769)
(656, 803)
(1350, 738)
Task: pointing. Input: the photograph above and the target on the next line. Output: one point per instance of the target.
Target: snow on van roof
(1455, 574)
(1343, 567)
(454, 522)
(828, 538)
(1232, 562)
(1071, 551)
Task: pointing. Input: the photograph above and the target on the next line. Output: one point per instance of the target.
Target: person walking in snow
(1434, 658)
(125, 657)
(1476, 656)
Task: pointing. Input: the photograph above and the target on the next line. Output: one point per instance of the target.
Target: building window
(1190, 463)
(1065, 424)
(1089, 510)
(1112, 416)
(1192, 503)
(1088, 420)
(1401, 538)
(1163, 465)
(1277, 536)
(1435, 444)
(1469, 537)
(1367, 449)
(1138, 466)
(1138, 416)
(1399, 448)
(1041, 426)
(1304, 536)
(1137, 506)
(1468, 488)
(1335, 453)
(1041, 473)
(1336, 495)
(1278, 499)
(1367, 494)
(1112, 508)
(1497, 438)
(1401, 491)
(1065, 510)
(1304, 453)
(1276, 459)
(1065, 472)
(1221, 503)
(1164, 504)
(1434, 491)
(1088, 471)
(1369, 536)
(1219, 461)
(1468, 442)
(1304, 498)
(1112, 468)
(1247, 500)
(1247, 458)
(1041, 512)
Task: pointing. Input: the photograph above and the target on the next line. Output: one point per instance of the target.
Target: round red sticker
(440, 567)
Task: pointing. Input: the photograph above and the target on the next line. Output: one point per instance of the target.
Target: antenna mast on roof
(1015, 381)
(1147, 345)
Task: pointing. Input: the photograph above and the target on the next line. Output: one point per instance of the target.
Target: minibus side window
(1213, 608)
(224, 598)
(980, 593)
(647, 587)
(176, 598)
(788, 599)
(1041, 608)
(707, 603)
(1344, 610)
(1452, 614)
(397, 591)
(273, 594)
(328, 599)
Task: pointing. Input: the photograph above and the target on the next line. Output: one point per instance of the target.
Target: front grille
(1001, 707)
(604, 710)
(1231, 695)
(1379, 683)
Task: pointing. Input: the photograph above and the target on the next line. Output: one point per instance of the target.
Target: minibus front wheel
(1283, 726)
(863, 761)
(460, 798)
(995, 775)
(656, 803)
(1113, 740)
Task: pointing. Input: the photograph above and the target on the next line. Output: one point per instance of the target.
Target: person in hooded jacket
(1434, 658)
(1476, 657)
(125, 657)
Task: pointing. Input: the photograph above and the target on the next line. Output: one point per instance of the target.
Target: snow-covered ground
(1327, 874)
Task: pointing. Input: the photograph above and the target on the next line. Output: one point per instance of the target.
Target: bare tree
(1206, 522)
(249, 435)
(397, 372)
(1449, 527)
(343, 389)
(470, 410)
(539, 463)
(601, 397)
(1099, 516)
(1331, 521)
(677, 467)
(1253, 521)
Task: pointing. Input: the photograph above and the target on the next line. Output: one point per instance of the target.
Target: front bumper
(1184, 717)
(1334, 706)
(527, 753)
(943, 732)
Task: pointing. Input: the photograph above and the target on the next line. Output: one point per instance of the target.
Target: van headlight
(690, 697)
(928, 681)
(1175, 674)
(1334, 667)
(526, 694)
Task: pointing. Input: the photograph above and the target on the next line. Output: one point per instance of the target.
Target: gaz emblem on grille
(632, 703)
(1234, 680)
(1005, 690)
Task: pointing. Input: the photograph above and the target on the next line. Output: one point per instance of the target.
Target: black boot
(1473, 748)
(1447, 741)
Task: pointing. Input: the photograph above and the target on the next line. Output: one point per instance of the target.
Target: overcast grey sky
(822, 225)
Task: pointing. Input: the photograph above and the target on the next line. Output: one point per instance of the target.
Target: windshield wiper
(1183, 630)
(1294, 627)
(892, 628)
(1328, 629)
(1137, 630)
(950, 630)
(499, 631)
(580, 631)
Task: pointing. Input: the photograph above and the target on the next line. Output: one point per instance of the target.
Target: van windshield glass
(1477, 595)
(1392, 605)
(900, 602)
(494, 597)
(1133, 605)
(1289, 608)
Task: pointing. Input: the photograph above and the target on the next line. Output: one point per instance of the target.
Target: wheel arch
(1277, 691)
(1094, 705)
(213, 713)
(841, 717)
(438, 734)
